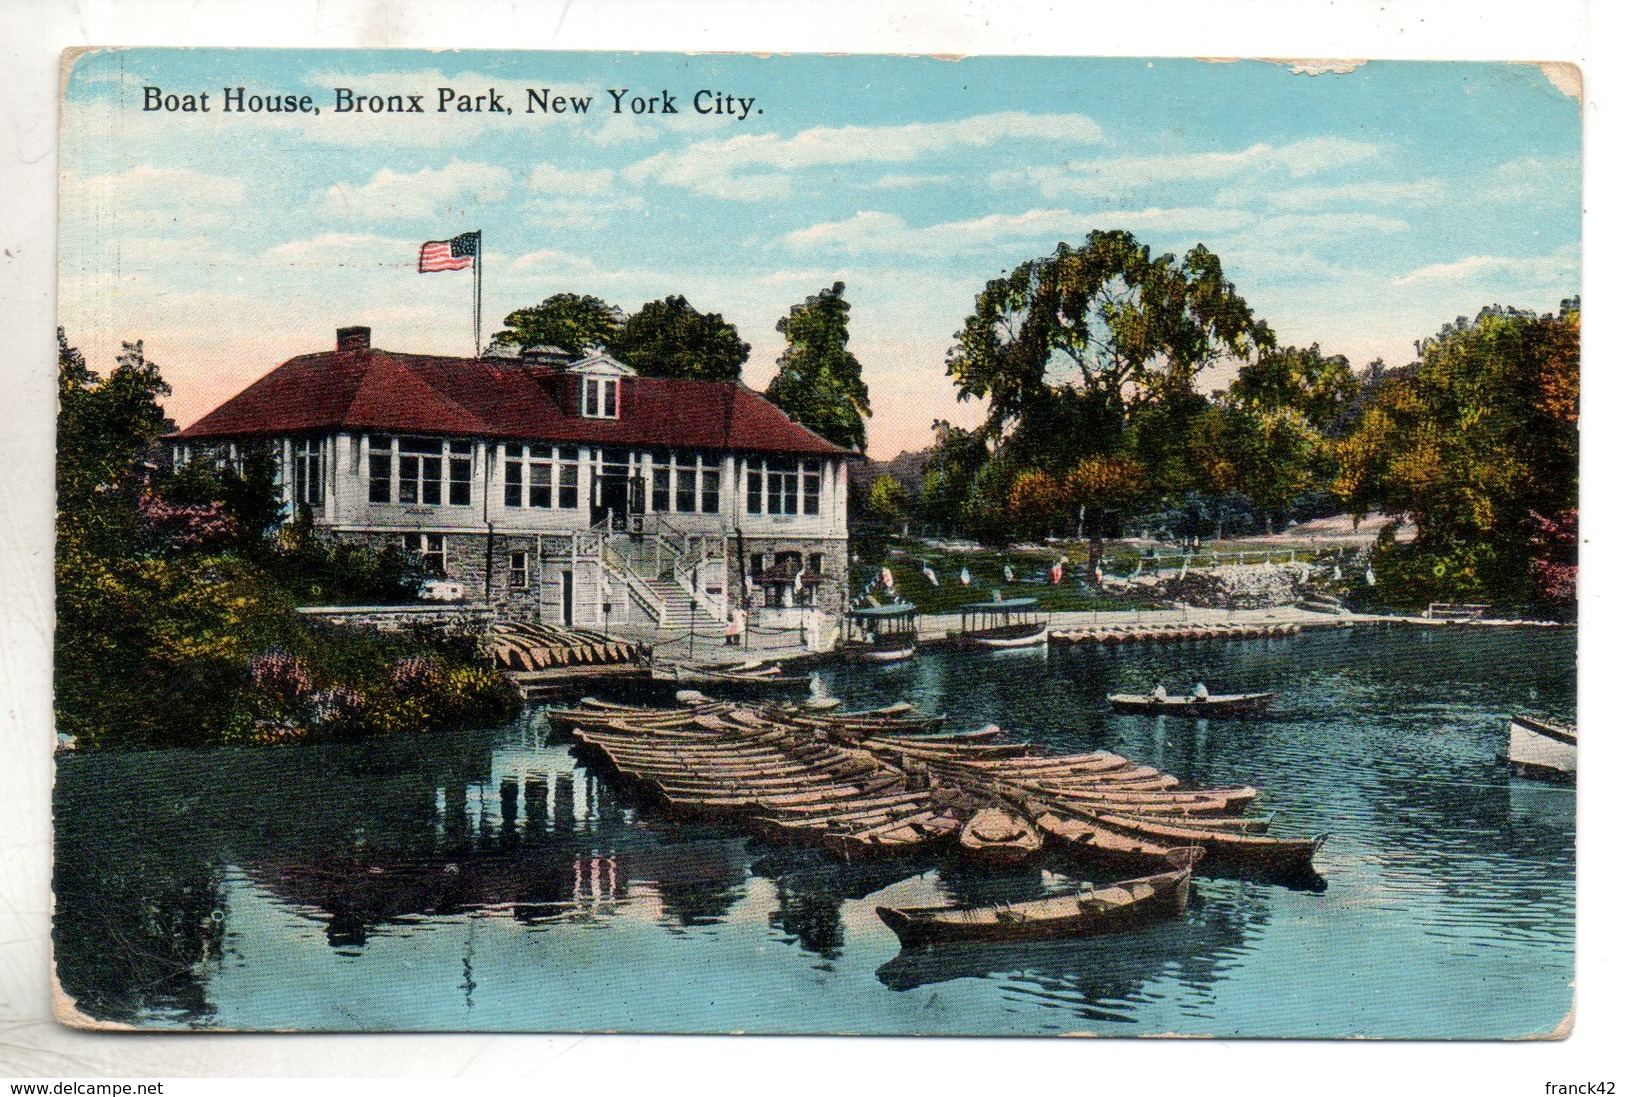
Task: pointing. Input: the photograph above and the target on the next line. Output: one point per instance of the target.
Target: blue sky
(1358, 209)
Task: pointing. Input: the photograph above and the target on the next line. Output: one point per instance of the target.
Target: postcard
(608, 542)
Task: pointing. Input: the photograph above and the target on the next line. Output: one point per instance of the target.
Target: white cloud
(1544, 180)
(332, 251)
(145, 198)
(1302, 226)
(1397, 192)
(871, 231)
(419, 195)
(549, 179)
(581, 213)
(1300, 158)
(757, 166)
(548, 259)
(1540, 270)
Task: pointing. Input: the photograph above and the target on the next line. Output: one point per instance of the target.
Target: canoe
(1218, 704)
(1542, 748)
(994, 836)
(1110, 909)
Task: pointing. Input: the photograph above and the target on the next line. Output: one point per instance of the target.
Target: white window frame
(541, 467)
(600, 397)
(452, 454)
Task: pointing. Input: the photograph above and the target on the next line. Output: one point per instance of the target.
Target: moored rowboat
(994, 836)
(1110, 909)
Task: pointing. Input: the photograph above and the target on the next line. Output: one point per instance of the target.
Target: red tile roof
(381, 390)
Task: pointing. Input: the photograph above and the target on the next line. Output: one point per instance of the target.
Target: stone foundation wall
(458, 617)
(533, 590)
(829, 595)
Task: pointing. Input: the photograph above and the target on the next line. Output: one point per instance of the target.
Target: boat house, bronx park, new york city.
(565, 492)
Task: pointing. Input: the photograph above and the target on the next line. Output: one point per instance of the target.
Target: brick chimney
(354, 339)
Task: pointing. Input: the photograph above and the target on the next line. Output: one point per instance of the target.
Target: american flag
(454, 254)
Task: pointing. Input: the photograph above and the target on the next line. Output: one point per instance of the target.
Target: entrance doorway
(567, 592)
(617, 490)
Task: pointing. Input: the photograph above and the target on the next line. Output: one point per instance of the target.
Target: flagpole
(479, 247)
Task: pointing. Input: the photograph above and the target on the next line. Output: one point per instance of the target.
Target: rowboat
(1218, 704)
(1542, 748)
(1110, 909)
(1249, 851)
(1012, 623)
(994, 836)
(881, 634)
(725, 676)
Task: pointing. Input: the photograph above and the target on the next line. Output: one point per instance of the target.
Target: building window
(812, 482)
(660, 484)
(782, 487)
(600, 397)
(461, 466)
(710, 484)
(430, 549)
(753, 487)
(686, 482)
(569, 477)
(542, 477)
(428, 472)
(519, 570)
(758, 564)
(815, 563)
(309, 477)
(378, 477)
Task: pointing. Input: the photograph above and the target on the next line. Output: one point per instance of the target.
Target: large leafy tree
(1106, 320)
(1299, 379)
(671, 338)
(573, 322)
(951, 467)
(820, 383)
(1479, 444)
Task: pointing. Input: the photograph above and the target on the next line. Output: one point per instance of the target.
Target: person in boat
(1200, 692)
(1160, 694)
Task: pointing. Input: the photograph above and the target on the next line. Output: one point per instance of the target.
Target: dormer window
(600, 397)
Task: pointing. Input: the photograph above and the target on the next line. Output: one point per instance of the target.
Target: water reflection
(187, 882)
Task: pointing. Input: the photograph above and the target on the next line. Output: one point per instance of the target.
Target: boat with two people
(1199, 702)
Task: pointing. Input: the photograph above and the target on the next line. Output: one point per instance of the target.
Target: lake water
(491, 880)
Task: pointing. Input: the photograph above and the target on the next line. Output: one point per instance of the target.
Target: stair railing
(637, 587)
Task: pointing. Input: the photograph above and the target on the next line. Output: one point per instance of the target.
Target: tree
(951, 467)
(671, 338)
(888, 500)
(1101, 484)
(572, 322)
(1107, 320)
(1291, 378)
(820, 383)
(1479, 444)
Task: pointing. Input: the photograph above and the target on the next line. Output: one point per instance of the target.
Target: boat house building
(563, 491)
